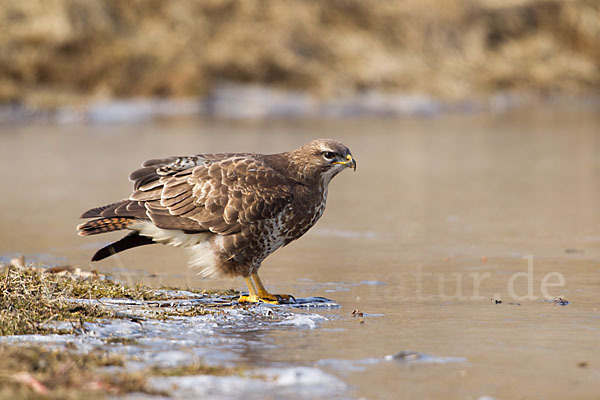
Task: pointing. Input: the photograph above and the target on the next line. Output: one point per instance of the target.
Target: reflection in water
(436, 196)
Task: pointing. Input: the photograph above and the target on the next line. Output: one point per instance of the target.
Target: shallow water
(423, 239)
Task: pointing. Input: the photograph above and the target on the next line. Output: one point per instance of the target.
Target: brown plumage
(230, 210)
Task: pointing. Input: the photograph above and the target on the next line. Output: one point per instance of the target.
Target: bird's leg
(266, 297)
(259, 294)
(251, 297)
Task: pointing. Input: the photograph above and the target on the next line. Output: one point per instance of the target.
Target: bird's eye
(329, 155)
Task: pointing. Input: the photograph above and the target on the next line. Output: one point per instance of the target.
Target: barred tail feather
(102, 225)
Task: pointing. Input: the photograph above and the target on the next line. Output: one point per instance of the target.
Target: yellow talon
(262, 295)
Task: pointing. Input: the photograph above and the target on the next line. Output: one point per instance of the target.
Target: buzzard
(229, 210)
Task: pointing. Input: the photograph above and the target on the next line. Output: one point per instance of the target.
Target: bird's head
(323, 159)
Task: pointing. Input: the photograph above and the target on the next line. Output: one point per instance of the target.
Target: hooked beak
(350, 162)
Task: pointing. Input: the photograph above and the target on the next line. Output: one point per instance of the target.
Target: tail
(128, 242)
(114, 217)
(102, 225)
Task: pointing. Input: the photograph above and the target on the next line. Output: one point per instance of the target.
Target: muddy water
(427, 239)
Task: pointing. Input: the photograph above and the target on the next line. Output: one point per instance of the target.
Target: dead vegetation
(66, 51)
(31, 299)
(36, 372)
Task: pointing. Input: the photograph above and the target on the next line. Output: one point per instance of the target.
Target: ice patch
(303, 321)
(410, 357)
(174, 294)
(206, 387)
(346, 366)
(171, 359)
(314, 302)
(304, 376)
(371, 283)
(39, 339)
(405, 357)
(130, 111)
(288, 383)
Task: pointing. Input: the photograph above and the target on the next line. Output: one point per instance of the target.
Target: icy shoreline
(146, 340)
(258, 102)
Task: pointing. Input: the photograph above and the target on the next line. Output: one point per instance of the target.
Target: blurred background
(436, 99)
(410, 56)
(474, 124)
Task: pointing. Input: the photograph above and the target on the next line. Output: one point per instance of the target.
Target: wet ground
(427, 240)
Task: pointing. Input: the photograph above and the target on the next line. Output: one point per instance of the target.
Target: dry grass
(35, 372)
(28, 372)
(31, 298)
(65, 51)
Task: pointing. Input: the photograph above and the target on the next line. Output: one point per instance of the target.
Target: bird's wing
(219, 193)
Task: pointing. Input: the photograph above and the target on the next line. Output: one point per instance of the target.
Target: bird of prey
(229, 210)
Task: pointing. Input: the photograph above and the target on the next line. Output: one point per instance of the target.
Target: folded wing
(219, 193)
